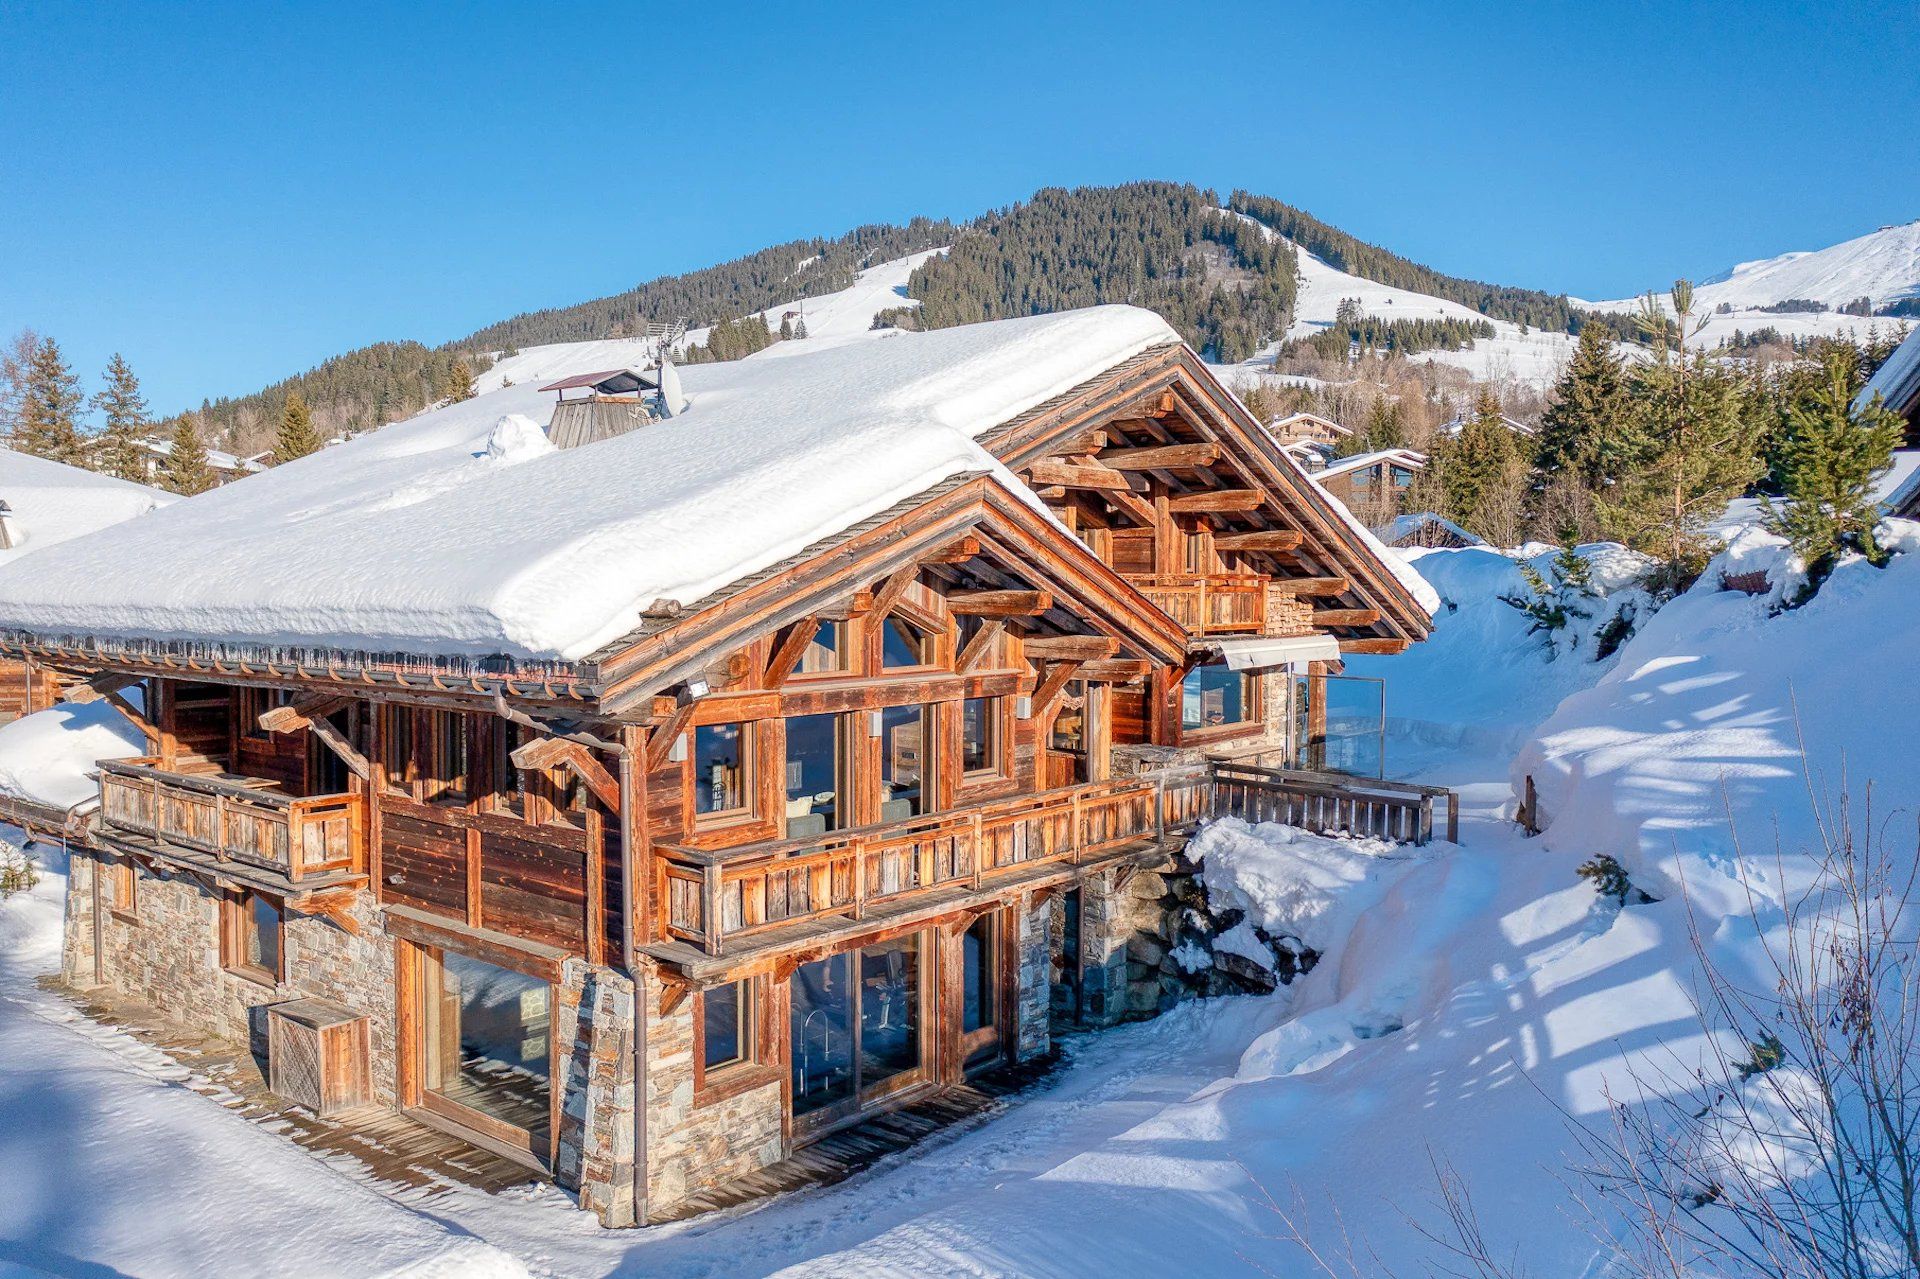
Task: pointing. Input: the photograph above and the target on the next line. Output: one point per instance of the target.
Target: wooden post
(710, 924)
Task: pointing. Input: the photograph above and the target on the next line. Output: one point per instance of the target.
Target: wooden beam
(1140, 510)
(999, 603)
(100, 686)
(302, 711)
(1313, 585)
(1054, 677)
(1067, 475)
(1091, 440)
(1273, 539)
(1119, 670)
(956, 552)
(1071, 648)
(555, 752)
(890, 592)
(1345, 616)
(976, 649)
(1162, 457)
(139, 721)
(329, 737)
(1217, 500)
(1390, 647)
(660, 744)
(789, 645)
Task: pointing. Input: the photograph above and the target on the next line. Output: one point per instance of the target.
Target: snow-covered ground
(1473, 1004)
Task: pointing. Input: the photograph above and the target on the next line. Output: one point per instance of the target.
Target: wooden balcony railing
(235, 821)
(716, 897)
(1209, 603)
(1331, 803)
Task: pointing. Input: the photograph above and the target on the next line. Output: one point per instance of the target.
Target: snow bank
(50, 502)
(557, 554)
(1291, 882)
(47, 757)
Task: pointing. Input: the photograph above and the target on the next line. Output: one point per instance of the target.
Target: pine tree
(459, 381)
(1702, 450)
(1833, 453)
(15, 358)
(800, 329)
(786, 328)
(1588, 433)
(49, 409)
(1483, 474)
(186, 470)
(123, 413)
(1383, 429)
(297, 437)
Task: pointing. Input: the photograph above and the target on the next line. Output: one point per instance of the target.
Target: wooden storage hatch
(317, 1055)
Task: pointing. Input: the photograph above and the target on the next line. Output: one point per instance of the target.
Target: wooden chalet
(1373, 485)
(814, 844)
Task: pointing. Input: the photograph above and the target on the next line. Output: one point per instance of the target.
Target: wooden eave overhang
(1009, 528)
(1171, 378)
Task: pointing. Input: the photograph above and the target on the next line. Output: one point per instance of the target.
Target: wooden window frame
(748, 812)
(971, 1046)
(123, 894)
(846, 649)
(1253, 695)
(234, 916)
(750, 1070)
(1000, 716)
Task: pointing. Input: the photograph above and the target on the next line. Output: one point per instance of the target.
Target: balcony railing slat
(234, 821)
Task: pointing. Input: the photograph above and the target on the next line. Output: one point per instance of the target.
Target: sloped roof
(50, 502)
(419, 538)
(1412, 459)
(1897, 382)
(1279, 426)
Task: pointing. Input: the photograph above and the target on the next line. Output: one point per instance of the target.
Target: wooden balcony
(715, 899)
(1210, 603)
(235, 819)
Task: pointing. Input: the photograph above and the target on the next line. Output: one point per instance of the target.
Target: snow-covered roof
(1454, 425)
(1900, 486)
(218, 460)
(51, 502)
(420, 538)
(1897, 382)
(1407, 525)
(1284, 427)
(1412, 459)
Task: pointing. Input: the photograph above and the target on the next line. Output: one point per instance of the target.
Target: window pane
(902, 644)
(719, 768)
(261, 924)
(980, 735)
(724, 1025)
(486, 1041)
(978, 991)
(889, 1010)
(1070, 722)
(825, 652)
(813, 775)
(904, 763)
(1211, 696)
(822, 998)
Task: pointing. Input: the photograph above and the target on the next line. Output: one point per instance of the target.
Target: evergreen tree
(1834, 452)
(186, 470)
(15, 358)
(297, 437)
(123, 412)
(786, 328)
(1588, 433)
(50, 407)
(1483, 474)
(800, 329)
(1383, 429)
(1701, 448)
(459, 384)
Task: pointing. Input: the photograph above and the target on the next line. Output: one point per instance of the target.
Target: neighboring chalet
(1454, 425)
(42, 504)
(1372, 485)
(1312, 440)
(225, 467)
(1425, 529)
(829, 716)
(1897, 384)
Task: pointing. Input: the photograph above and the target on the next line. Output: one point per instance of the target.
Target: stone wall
(593, 1012)
(1033, 974)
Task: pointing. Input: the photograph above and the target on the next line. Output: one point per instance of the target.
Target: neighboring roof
(1412, 459)
(613, 381)
(1897, 382)
(1283, 427)
(51, 502)
(420, 538)
(1898, 491)
(218, 460)
(1453, 426)
(1407, 525)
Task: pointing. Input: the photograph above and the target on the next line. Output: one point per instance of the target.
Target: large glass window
(814, 755)
(856, 1026)
(823, 1009)
(979, 992)
(906, 760)
(722, 769)
(486, 1053)
(980, 736)
(443, 770)
(889, 1010)
(1213, 696)
(902, 643)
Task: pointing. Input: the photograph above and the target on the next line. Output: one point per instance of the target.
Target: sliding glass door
(858, 1029)
(484, 1049)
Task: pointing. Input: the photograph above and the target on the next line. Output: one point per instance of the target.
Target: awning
(1259, 652)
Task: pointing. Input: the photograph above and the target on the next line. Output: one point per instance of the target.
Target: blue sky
(229, 194)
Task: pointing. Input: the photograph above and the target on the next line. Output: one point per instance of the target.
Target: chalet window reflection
(721, 770)
(1213, 696)
(250, 941)
(726, 1026)
(814, 775)
(903, 644)
(906, 760)
(980, 737)
(827, 652)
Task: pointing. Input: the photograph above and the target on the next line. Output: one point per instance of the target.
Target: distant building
(1373, 485)
(1425, 528)
(1453, 426)
(1897, 383)
(226, 468)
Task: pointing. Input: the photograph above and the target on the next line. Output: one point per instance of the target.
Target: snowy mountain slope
(1883, 265)
(832, 320)
(1536, 356)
